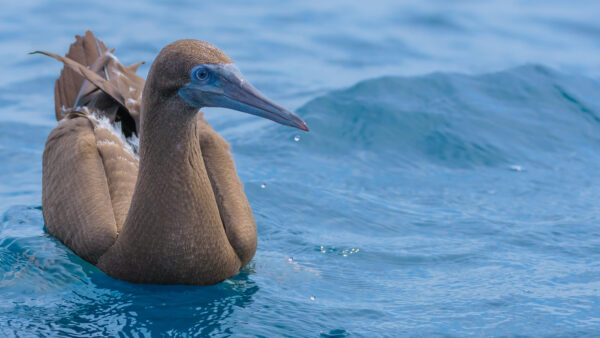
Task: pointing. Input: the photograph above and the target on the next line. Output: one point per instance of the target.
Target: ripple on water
(402, 211)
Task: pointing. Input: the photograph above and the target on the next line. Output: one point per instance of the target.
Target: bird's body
(171, 210)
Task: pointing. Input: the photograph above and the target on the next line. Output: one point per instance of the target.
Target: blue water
(449, 184)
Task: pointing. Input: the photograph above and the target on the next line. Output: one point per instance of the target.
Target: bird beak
(231, 90)
(245, 98)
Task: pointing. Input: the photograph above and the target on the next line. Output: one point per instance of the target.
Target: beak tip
(304, 127)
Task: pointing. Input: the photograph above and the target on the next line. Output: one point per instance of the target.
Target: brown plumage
(176, 215)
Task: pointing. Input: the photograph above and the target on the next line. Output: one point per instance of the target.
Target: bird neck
(168, 135)
(173, 232)
(172, 182)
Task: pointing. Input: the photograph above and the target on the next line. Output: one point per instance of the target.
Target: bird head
(204, 76)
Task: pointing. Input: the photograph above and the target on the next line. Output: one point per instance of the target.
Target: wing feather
(89, 171)
(75, 198)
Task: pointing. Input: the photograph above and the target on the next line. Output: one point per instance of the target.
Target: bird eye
(200, 73)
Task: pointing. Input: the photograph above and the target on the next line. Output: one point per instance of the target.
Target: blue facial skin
(222, 85)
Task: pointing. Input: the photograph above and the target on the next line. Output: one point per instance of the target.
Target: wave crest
(457, 120)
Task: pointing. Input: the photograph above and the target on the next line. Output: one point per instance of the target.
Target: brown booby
(167, 208)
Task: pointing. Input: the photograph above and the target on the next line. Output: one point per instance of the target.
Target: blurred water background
(448, 186)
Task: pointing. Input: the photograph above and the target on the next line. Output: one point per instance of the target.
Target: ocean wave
(457, 120)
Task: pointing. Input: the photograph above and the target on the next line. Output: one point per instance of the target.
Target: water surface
(448, 186)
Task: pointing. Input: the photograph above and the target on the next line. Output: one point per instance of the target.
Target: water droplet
(345, 255)
(291, 259)
(297, 138)
(313, 298)
(264, 185)
(516, 167)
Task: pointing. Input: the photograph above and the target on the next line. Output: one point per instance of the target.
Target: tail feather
(134, 67)
(93, 77)
(85, 50)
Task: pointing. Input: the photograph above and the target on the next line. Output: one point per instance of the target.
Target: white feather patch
(107, 142)
(130, 145)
